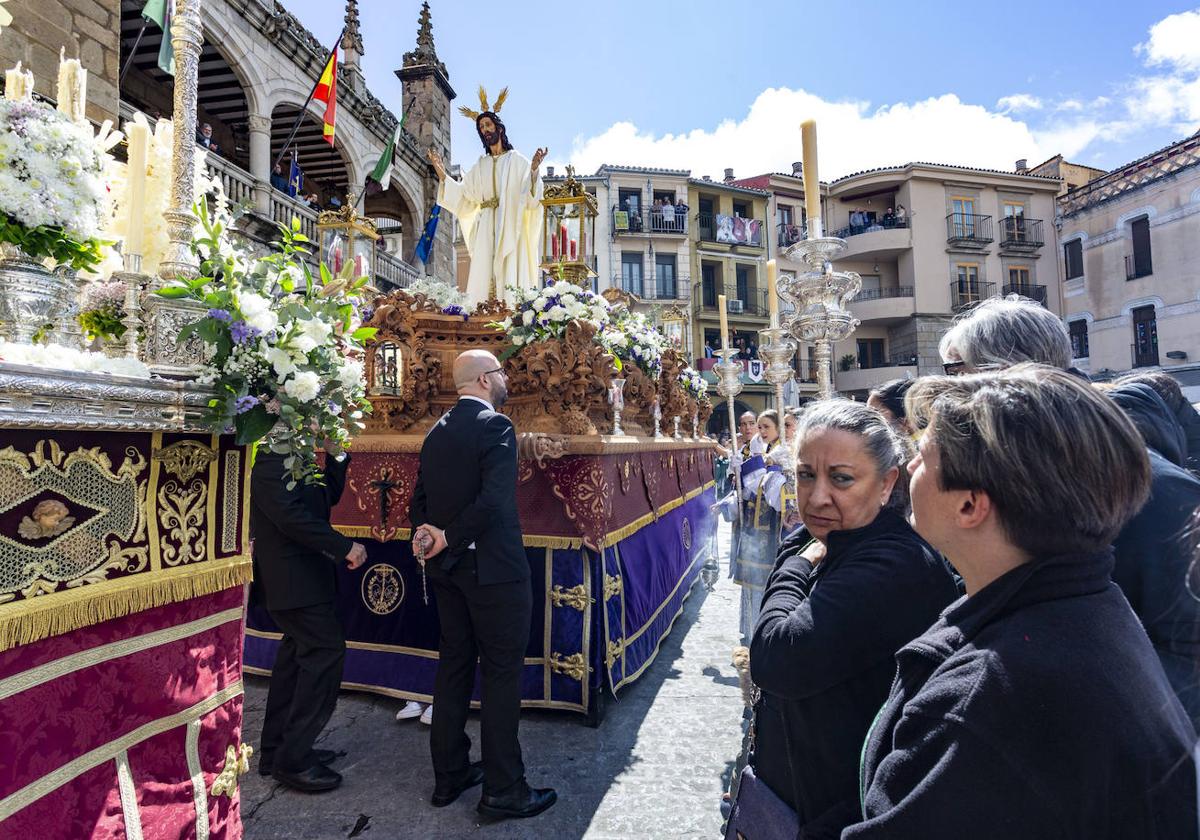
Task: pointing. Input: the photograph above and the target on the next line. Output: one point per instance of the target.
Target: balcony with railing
(968, 230)
(965, 295)
(672, 222)
(1028, 290)
(730, 230)
(391, 272)
(789, 235)
(871, 227)
(1020, 234)
(650, 288)
(890, 303)
(1135, 268)
(751, 303)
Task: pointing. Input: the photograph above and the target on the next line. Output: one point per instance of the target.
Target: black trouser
(490, 623)
(304, 685)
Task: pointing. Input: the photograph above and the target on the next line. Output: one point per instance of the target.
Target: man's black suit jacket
(296, 550)
(467, 486)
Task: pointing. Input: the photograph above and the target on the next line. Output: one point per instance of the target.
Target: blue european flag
(295, 178)
(425, 245)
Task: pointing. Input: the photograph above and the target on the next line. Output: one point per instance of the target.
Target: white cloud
(853, 136)
(1019, 102)
(1174, 40)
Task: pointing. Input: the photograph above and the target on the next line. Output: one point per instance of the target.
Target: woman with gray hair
(846, 592)
(999, 332)
(1035, 706)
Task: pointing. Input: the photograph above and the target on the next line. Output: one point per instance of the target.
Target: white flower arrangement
(541, 314)
(52, 189)
(65, 358)
(443, 294)
(693, 383)
(631, 337)
(281, 338)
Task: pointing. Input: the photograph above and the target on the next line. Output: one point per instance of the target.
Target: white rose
(527, 317)
(567, 299)
(303, 343)
(304, 386)
(539, 303)
(557, 313)
(251, 304)
(350, 374)
(281, 361)
(316, 329)
(577, 310)
(263, 321)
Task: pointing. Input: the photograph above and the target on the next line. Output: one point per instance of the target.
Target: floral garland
(693, 383)
(443, 294)
(283, 344)
(52, 189)
(542, 314)
(631, 337)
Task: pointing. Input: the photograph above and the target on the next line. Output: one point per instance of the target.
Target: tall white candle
(139, 147)
(772, 294)
(72, 86)
(812, 186)
(18, 84)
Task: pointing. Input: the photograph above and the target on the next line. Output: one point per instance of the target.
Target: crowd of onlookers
(986, 622)
(864, 221)
(666, 215)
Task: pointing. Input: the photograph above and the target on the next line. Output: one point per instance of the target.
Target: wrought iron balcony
(1020, 234)
(965, 295)
(968, 229)
(752, 303)
(651, 288)
(1030, 291)
(650, 220)
(871, 227)
(730, 230)
(879, 294)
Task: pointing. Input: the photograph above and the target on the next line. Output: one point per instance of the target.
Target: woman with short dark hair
(846, 592)
(1035, 706)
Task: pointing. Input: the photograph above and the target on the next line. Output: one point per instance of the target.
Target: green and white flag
(382, 173)
(161, 12)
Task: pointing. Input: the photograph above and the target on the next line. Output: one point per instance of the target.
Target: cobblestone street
(655, 768)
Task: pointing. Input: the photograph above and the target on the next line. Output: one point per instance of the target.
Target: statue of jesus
(498, 204)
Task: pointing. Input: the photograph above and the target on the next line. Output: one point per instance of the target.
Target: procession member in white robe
(498, 205)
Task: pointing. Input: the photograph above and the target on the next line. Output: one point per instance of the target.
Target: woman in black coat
(835, 612)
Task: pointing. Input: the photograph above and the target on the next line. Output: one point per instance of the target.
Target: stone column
(260, 161)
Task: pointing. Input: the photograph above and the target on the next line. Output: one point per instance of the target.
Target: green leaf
(253, 425)
(326, 277)
(364, 333)
(507, 353)
(174, 292)
(295, 224)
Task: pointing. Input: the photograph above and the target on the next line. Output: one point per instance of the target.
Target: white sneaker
(427, 715)
(410, 710)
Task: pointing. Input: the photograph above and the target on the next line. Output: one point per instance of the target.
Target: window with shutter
(1142, 266)
(1079, 339)
(1073, 258)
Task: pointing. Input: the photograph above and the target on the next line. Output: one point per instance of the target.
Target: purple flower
(455, 309)
(244, 404)
(241, 332)
(219, 314)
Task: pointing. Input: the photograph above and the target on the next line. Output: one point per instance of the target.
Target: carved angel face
(49, 514)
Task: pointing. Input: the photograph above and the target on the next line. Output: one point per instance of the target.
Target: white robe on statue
(500, 215)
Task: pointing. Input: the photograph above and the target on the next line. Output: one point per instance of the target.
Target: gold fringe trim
(25, 622)
(641, 522)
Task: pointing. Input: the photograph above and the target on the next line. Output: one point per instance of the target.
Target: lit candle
(724, 322)
(138, 133)
(772, 297)
(72, 86)
(812, 186)
(18, 84)
(572, 250)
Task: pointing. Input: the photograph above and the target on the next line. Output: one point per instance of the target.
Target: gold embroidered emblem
(185, 459)
(573, 666)
(382, 589)
(49, 519)
(237, 763)
(612, 586)
(686, 533)
(575, 597)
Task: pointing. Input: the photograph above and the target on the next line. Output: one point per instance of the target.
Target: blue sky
(706, 85)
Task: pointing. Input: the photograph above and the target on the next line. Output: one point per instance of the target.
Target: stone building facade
(1130, 247)
(88, 29)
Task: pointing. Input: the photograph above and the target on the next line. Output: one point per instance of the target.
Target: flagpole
(300, 116)
(136, 42)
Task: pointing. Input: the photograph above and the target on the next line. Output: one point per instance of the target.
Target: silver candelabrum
(657, 420)
(616, 395)
(729, 385)
(819, 297)
(776, 347)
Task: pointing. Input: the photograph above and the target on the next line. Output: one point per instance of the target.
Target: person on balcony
(901, 216)
(204, 138)
(278, 179)
(889, 218)
(668, 214)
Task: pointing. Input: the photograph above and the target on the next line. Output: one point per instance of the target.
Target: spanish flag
(327, 92)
